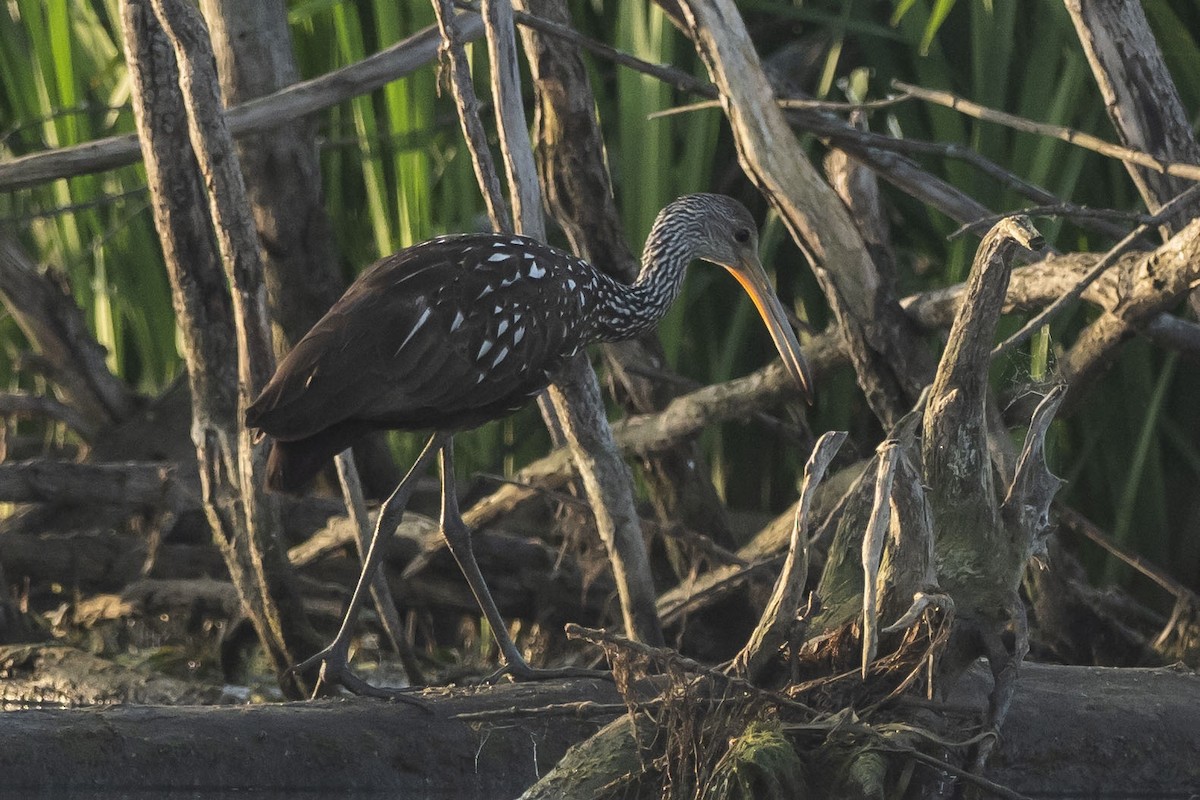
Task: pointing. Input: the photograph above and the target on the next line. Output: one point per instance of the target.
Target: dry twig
(1077, 138)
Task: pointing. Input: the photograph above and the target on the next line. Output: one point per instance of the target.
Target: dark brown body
(445, 335)
(463, 329)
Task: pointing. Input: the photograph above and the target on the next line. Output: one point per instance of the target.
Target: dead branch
(872, 549)
(1148, 286)
(955, 452)
(128, 484)
(1031, 287)
(1141, 98)
(1077, 138)
(27, 405)
(575, 181)
(465, 100)
(256, 116)
(43, 308)
(1107, 260)
(575, 408)
(882, 348)
(777, 618)
(226, 339)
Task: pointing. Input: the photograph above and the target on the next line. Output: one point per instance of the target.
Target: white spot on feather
(571, 284)
(486, 291)
(458, 321)
(536, 272)
(499, 257)
(518, 335)
(420, 321)
(487, 345)
(502, 327)
(500, 356)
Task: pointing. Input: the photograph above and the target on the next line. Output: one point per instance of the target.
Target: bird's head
(724, 233)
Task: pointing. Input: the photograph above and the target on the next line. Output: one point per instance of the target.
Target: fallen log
(1069, 734)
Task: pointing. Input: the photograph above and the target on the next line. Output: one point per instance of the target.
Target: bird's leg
(334, 659)
(458, 540)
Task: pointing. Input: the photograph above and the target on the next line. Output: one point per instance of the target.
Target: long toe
(519, 670)
(356, 685)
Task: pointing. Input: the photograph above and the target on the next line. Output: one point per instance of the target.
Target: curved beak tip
(753, 278)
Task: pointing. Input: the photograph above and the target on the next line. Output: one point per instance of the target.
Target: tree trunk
(225, 348)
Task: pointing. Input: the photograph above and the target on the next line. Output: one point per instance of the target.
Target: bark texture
(1061, 744)
(1142, 100)
(226, 347)
(282, 173)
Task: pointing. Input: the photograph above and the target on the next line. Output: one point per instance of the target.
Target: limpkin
(463, 329)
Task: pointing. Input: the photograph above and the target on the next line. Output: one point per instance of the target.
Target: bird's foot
(331, 663)
(519, 670)
(333, 669)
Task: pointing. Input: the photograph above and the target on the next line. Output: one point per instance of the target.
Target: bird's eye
(742, 235)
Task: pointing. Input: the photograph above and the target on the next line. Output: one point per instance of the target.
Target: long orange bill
(753, 278)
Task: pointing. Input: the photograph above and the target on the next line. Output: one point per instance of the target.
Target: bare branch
(467, 103)
(133, 483)
(1149, 286)
(1106, 261)
(1077, 138)
(294, 102)
(1139, 95)
(54, 324)
(24, 404)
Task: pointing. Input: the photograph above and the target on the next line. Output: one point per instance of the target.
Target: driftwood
(1064, 744)
(1061, 742)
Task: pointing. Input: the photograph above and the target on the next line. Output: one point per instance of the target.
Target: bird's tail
(292, 465)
